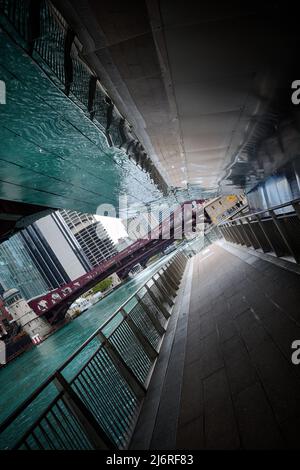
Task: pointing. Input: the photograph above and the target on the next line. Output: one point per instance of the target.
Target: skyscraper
(91, 236)
(17, 268)
(55, 250)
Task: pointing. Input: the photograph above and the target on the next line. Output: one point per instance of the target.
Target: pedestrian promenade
(225, 379)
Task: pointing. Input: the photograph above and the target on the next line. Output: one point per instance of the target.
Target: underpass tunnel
(188, 111)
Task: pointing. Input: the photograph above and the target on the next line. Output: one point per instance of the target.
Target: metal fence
(47, 37)
(275, 230)
(93, 400)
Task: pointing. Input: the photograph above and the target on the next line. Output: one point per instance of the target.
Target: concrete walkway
(229, 382)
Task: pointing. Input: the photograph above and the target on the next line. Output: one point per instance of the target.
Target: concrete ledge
(151, 421)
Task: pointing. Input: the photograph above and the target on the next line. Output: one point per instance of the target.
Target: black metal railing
(93, 400)
(275, 230)
(50, 41)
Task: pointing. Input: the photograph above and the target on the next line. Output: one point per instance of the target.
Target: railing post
(260, 223)
(94, 432)
(158, 303)
(233, 233)
(92, 94)
(163, 291)
(157, 325)
(109, 118)
(146, 345)
(169, 281)
(254, 234)
(178, 261)
(228, 230)
(221, 230)
(133, 382)
(238, 234)
(68, 63)
(245, 234)
(179, 265)
(177, 272)
(33, 18)
(284, 235)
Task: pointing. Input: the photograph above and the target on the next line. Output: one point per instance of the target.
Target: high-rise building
(35, 327)
(55, 250)
(91, 236)
(17, 268)
(42, 257)
(140, 226)
(123, 243)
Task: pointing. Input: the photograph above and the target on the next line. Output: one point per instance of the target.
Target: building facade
(90, 234)
(55, 251)
(18, 269)
(36, 327)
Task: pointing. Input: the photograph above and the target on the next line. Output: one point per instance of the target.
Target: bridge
(54, 305)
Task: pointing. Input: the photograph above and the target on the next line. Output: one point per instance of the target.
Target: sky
(113, 226)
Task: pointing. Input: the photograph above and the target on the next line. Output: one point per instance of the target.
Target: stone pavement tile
(192, 352)
(257, 425)
(288, 300)
(241, 373)
(225, 327)
(276, 374)
(220, 428)
(191, 405)
(281, 328)
(251, 330)
(194, 324)
(210, 358)
(220, 306)
(237, 306)
(164, 433)
(191, 435)
(257, 300)
(200, 307)
(233, 349)
(216, 391)
(207, 325)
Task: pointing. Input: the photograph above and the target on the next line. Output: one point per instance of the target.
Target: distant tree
(102, 285)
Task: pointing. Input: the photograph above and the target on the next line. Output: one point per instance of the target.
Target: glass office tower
(18, 270)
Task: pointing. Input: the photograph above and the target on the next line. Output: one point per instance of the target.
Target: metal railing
(275, 230)
(93, 400)
(45, 35)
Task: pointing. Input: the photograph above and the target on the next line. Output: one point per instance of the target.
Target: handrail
(274, 208)
(17, 412)
(275, 232)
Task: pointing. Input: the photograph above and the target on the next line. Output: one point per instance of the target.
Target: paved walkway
(229, 380)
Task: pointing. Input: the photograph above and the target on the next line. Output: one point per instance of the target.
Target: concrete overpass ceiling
(52, 154)
(207, 84)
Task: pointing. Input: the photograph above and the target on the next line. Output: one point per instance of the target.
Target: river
(24, 374)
